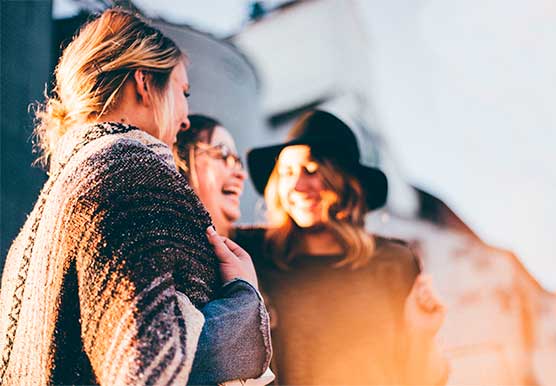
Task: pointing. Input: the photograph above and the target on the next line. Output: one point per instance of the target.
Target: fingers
(222, 251)
(423, 279)
(225, 248)
(429, 304)
(426, 296)
(238, 251)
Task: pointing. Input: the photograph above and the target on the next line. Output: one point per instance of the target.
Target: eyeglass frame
(222, 152)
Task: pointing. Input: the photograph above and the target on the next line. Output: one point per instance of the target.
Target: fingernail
(211, 231)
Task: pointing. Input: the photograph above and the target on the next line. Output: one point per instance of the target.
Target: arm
(423, 317)
(419, 317)
(235, 338)
(136, 227)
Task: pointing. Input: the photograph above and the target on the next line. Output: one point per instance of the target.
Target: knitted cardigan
(102, 283)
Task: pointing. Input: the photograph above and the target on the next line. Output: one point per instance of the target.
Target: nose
(239, 173)
(302, 183)
(185, 124)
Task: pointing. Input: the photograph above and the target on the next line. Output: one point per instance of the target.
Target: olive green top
(337, 325)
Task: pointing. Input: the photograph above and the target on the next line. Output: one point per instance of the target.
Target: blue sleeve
(235, 341)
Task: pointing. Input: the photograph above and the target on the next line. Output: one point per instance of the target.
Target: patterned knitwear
(102, 283)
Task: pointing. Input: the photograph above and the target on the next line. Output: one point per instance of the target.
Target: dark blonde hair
(346, 219)
(94, 67)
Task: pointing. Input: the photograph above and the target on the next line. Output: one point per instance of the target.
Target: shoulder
(249, 233)
(251, 238)
(127, 171)
(394, 258)
(131, 160)
(133, 149)
(394, 248)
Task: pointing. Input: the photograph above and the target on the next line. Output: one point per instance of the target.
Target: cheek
(210, 176)
(184, 105)
(203, 179)
(181, 107)
(317, 183)
(283, 192)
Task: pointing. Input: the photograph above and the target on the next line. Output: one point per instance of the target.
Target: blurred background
(453, 99)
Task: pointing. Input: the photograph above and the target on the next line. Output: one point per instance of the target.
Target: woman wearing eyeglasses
(206, 155)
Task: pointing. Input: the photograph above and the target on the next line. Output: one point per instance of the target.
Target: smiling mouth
(232, 191)
(305, 204)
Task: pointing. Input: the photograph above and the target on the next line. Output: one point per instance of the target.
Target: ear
(142, 87)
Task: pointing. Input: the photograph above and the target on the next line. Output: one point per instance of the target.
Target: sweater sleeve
(396, 271)
(140, 233)
(419, 354)
(235, 338)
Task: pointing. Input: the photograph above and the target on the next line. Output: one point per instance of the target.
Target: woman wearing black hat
(352, 308)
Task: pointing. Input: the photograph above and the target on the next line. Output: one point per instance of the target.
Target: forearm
(235, 341)
(145, 338)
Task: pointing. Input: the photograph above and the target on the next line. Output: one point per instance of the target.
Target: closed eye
(312, 168)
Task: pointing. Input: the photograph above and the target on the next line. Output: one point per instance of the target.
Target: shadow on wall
(26, 61)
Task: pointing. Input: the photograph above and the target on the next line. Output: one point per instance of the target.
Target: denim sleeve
(235, 340)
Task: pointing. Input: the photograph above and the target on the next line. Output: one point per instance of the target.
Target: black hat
(330, 138)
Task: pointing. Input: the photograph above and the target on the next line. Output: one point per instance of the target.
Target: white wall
(461, 90)
(464, 92)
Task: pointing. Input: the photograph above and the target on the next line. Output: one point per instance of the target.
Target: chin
(232, 215)
(304, 219)
(304, 222)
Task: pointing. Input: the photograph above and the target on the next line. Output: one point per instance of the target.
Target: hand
(234, 261)
(424, 312)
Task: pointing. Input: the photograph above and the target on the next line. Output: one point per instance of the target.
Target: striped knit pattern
(102, 283)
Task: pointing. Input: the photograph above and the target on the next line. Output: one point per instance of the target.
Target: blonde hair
(346, 219)
(94, 67)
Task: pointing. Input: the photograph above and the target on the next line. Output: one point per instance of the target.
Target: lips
(304, 204)
(232, 190)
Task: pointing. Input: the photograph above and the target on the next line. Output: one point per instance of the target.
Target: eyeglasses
(222, 152)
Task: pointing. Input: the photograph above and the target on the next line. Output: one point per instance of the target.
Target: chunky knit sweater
(102, 283)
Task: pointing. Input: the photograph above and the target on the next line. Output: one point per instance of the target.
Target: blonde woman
(351, 307)
(113, 278)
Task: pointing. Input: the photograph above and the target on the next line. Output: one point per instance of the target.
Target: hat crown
(328, 136)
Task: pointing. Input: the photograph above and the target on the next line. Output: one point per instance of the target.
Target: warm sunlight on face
(220, 178)
(178, 88)
(301, 188)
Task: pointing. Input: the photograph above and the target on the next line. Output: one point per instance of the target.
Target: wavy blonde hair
(346, 219)
(93, 69)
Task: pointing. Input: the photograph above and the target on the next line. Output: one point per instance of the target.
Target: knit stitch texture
(103, 282)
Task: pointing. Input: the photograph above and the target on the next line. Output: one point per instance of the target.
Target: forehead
(179, 74)
(222, 136)
(295, 154)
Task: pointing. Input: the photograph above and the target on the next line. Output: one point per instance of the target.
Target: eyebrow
(223, 144)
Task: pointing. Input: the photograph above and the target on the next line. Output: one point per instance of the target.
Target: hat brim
(261, 161)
